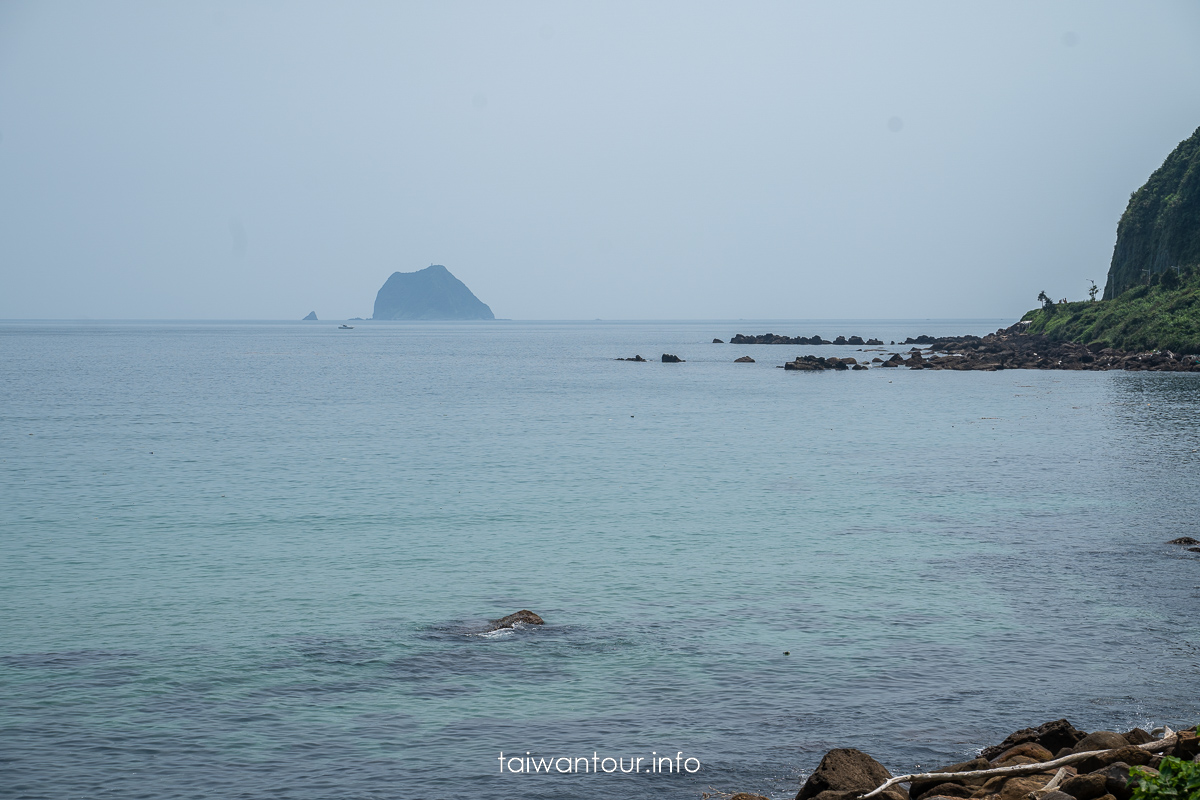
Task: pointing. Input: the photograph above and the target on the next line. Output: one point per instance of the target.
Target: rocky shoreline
(1054, 761)
(1007, 348)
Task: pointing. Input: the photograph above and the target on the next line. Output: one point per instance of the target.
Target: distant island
(431, 293)
(312, 317)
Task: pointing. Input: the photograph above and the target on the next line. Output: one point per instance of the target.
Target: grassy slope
(1142, 318)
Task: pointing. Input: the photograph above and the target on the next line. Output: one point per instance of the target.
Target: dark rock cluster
(670, 359)
(818, 363)
(635, 358)
(1007, 348)
(845, 774)
(1013, 349)
(771, 338)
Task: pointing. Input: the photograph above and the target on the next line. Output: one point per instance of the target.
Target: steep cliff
(1160, 229)
(431, 293)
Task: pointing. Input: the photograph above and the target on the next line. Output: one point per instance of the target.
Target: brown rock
(1137, 736)
(1127, 755)
(1030, 750)
(1117, 781)
(1188, 746)
(1100, 740)
(1056, 795)
(745, 795)
(1051, 735)
(830, 794)
(1017, 788)
(920, 788)
(845, 770)
(944, 790)
(523, 616)
(1085, 787)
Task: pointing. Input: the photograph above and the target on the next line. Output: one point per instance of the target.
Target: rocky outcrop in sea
(1007, 348)
(771, 338)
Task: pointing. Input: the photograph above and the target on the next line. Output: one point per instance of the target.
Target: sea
(259, 559)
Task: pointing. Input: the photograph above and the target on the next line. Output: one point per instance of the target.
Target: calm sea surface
(252, 560)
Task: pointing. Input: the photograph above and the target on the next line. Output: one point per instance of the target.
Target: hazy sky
(641, 160)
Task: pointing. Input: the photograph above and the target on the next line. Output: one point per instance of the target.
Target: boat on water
(345, 327)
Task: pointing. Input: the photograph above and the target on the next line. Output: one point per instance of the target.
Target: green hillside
(1164, 315)
(1160, 229)
(1152, 296)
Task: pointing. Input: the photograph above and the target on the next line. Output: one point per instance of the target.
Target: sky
(663, 160)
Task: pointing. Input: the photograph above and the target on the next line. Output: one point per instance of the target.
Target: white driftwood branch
(1168, 739)
(1056, 781)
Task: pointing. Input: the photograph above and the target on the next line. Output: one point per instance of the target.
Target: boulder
(1188, 745)
(921, 788)
(848, 770)
(1100, 740)
(1055, 795)
(718, 341)
(744, 360)
(1126, 755)
(1031, 750)
(1137, 736)
(1085, 787)
(1184, 540)
(855, 340)
(524, 616)
(1116, 780)
(859, 366)
(1194, 549)
(1051, 735)
(946, 790)
(670, 359)
(1017, 788)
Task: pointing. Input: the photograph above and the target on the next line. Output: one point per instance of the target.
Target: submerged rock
(744, 360)
(717, 341)
(670, 359)
(1184, 540)
(635, 358)
(524, 616)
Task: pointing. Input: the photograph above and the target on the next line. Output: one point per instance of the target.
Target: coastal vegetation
(1175, 779)
(1163, 314)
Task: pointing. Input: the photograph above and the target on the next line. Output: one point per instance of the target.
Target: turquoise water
(253, 559)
